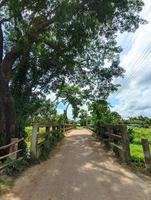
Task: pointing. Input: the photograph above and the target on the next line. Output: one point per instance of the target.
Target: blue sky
(134, 96)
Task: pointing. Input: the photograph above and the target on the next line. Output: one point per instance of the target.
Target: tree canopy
(48, 44)
(102, 114)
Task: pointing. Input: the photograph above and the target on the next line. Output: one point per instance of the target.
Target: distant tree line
(140, 120)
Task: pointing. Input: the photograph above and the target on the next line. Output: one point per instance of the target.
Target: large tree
(44, 43)
(101, 113)
(71, 95)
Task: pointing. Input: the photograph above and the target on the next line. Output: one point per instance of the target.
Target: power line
(141, 61)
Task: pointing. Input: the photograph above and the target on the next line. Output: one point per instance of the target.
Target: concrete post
(34, 140)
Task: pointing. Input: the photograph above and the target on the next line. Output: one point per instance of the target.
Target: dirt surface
(79, 169)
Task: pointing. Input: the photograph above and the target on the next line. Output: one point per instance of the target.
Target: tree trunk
(7, 112)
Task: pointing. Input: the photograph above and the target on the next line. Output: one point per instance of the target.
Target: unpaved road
(79, 170)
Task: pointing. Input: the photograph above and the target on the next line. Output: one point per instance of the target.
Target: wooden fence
(116, 138)
(147, 154)
(12, 151)
(36, 141)
(38, 138)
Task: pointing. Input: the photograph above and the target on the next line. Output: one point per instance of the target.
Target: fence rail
(11, 144)
(49, 129)
(35, 141)
(116, 138)
(12, 152)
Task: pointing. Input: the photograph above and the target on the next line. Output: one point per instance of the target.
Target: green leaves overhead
(51, 44)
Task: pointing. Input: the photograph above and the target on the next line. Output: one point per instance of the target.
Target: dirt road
(79, 170)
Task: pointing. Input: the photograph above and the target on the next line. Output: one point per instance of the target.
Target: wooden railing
(12, 151)
(36, 141)
(90, 127)
(116, 138)
(39, 138)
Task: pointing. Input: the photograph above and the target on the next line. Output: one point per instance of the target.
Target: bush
(146, 125)
(16, 167)
(139, 162)
(131, 134)
(49, 144)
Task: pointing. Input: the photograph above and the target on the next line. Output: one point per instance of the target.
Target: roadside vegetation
(138, 128)
(137, 154)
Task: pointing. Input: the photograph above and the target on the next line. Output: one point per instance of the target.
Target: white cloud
(135, 92)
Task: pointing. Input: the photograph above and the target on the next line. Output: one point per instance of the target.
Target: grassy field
(136, 147)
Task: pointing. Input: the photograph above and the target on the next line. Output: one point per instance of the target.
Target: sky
(134, 96)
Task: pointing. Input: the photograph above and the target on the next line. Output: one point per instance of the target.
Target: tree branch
(5, 20)
(2, 3)
(25, 42)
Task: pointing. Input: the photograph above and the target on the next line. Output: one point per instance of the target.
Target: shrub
(146, 125)
(48, 144)
(16, 167)
(131, 134)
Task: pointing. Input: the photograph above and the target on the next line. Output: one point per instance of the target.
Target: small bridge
(78, 169)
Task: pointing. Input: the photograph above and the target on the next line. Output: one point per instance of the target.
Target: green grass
(29, 130)
(141, 133)
(136, 149)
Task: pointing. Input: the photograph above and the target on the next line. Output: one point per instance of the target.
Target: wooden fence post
(34, 140)
(125, 144)
(147, 155)
(110, 136)
(13, 148)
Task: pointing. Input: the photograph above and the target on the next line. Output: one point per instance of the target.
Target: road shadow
(79, 169)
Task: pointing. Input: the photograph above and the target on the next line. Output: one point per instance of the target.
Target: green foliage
(137, 155)
(83, 115)
(131, 135)
(71, 95)
(101, 113)
(140, 133)
(140, 120)
(50, 43)
(49, 144)
(44, 114)
(16, 167)
(136, 149)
